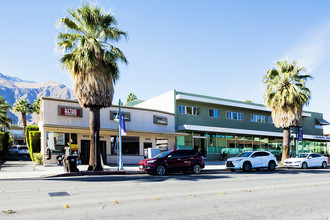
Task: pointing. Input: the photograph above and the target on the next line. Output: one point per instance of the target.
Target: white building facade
(64, 123)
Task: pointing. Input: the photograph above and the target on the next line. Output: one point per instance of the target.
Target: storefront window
(264, 143)
(114, 145)
(312, 146)
(256, 143)
(323, 148)
(231, 144)
(248, 143)
(55, 141)
(300, 147)
(221, 143)
(188, 141)
(180, 142)
(305, 147)
(130, 145)
(275, 146)
(239, 143)
(50, 140)
(211, 139)
(162, 144)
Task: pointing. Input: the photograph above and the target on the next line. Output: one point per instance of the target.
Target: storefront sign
(74, 147)
(127, 115)
(70, 111)
(322, 137)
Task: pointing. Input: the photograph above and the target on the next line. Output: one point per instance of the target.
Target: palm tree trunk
(286, 144)
(24, 126)
(94, 131)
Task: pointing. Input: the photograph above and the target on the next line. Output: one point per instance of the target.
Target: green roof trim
(134, 102)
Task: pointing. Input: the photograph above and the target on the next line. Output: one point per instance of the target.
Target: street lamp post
(118, 119)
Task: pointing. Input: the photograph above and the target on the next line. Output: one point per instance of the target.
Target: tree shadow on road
(142, 177)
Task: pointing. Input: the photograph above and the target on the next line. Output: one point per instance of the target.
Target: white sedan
(305, 160)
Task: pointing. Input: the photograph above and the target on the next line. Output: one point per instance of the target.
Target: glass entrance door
(200, 144)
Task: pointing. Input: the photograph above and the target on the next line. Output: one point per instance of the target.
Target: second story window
(234, 116)
(188, 110)
(213, 113)
(258, 118)
(270, 120)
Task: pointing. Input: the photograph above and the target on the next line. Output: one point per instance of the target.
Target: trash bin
(59, 158)
(70, 164)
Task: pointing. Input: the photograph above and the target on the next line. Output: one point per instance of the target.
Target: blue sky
(211, 47)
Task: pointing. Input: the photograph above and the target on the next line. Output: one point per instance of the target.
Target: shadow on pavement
(290, 171)
(141, 177)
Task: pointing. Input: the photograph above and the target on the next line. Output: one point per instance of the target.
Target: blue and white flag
(300, 133)
(123, 127)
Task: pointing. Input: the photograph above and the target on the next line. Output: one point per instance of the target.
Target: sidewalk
(27, 169)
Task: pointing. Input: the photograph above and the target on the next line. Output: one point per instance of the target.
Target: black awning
(321, 121)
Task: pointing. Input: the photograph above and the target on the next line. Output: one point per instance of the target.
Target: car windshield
(162, 154)
(245, 154)
(301, 156)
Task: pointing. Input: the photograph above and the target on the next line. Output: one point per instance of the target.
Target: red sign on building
(70, 111)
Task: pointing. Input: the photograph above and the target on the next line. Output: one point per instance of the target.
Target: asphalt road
(283, 194)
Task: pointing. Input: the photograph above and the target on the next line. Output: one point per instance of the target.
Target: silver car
(19, 150)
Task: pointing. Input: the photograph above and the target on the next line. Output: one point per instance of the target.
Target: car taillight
(20, 148)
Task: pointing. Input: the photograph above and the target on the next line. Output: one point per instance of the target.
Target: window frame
(230, 115)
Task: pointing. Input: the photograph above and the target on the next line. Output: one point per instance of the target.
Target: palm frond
(286, 92)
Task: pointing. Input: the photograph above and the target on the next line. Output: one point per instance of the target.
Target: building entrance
(85, 151)
(199, 144)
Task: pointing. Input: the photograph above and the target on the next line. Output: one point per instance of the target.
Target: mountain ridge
(14, 88)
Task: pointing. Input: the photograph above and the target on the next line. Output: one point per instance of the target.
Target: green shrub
(38, 158)
(4, 142)
(34, 143)
(27, 130)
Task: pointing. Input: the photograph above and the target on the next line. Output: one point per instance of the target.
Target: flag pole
(120, 143)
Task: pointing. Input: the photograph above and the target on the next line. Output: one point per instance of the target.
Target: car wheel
(304, 165)
(271, 166)
(197, 168)
(247, 167)
(324, 165)
(232, 170)
(160, 170)
(16, 154)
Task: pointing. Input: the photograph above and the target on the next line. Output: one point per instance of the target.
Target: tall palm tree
(92, 63)
(131, 97)
(36, 106)
(23, 107)
(286, 94)
(5, 121)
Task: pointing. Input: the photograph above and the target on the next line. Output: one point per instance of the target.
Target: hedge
(4, 142)
(27, 136)
(34, 144)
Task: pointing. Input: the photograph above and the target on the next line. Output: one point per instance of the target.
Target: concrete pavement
(27, 169)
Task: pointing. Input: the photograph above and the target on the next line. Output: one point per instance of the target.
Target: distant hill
(14, 88)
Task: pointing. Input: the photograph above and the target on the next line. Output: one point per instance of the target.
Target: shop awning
(321, 121)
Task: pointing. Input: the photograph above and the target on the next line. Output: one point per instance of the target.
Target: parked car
(19, 150)
(173, 160)
(305, 160)
(252, 160)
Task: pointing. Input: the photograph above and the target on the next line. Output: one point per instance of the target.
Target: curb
(98, 173)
